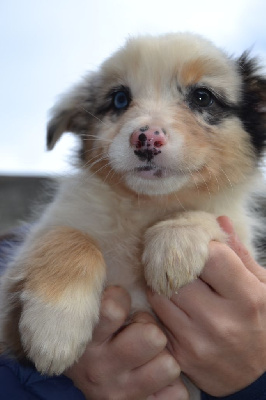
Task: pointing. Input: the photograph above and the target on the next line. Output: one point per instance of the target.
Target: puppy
(172, 131)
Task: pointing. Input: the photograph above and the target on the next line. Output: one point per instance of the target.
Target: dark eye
(120, 100)
(202, 97)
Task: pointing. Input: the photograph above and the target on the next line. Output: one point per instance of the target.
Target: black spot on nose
(145, 155)
(144, 128)
(142, 138)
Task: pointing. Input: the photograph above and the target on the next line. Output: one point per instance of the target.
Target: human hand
(216, 326)
(127, 362)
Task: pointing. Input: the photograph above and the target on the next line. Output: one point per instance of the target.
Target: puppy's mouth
(152, 172)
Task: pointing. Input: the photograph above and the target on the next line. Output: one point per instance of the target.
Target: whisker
(93, 149)
(99, 169)
(205, 183)
(207, 187)
(195, 183)
(92, 115)
(97, 118)
(112, 171)
(179, 202)
(104, 157)
(230, 183)
(96, 161)
(96, 157)
(211, 175)
(89, 136)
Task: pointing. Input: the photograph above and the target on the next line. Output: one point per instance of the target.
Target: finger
(137, 343)
(238, 247)
(143, 317)
(197, 295)
(169, 314)
(226, 274)
(226, 224)
(155, 375)
(176, 390)
(115, 308)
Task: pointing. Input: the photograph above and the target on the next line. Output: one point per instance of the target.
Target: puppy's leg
(59, 279)
(176, 250)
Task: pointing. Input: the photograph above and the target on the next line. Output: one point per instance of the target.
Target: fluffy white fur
(152, 227)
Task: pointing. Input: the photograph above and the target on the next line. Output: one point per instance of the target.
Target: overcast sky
(46, 45)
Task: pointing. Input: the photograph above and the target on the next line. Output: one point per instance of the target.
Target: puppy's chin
(149, 184)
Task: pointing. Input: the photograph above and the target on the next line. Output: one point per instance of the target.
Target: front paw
(175, 251)
(53, 335)
(62, 277)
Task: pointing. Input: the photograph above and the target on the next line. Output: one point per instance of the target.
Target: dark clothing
(21, 382)
(256, 391)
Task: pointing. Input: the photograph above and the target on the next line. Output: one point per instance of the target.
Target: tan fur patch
(195, 70)
(192, 72)
(61, 259)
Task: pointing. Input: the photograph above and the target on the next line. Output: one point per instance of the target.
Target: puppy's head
(168, 114)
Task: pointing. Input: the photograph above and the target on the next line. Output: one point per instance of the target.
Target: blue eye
(120, 100)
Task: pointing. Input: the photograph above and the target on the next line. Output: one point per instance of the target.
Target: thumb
(242, 252)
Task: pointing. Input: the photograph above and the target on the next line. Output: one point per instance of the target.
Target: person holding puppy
(214, 330)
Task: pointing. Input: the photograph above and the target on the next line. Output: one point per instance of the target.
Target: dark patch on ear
(252, 111)
(50, 136)
(72, 120)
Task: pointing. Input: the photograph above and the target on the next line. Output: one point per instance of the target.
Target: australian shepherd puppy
(172, 132)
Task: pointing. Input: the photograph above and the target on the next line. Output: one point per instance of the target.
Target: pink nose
(148, 137)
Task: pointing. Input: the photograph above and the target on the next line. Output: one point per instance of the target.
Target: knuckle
(143, 317)
(95, 375)
(117, 291)
(169, 366)
(255, 304)
(183, 393)
(113, 310)
(200, 351)
(229, 333)
(153, 336)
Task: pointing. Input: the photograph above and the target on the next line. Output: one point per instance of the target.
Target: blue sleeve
(9, 243)
(255, 391)
(24, 382)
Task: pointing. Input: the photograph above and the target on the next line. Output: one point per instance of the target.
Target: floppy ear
(70, 113)
(253, 107)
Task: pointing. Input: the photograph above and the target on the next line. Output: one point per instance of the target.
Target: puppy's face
(165, 115)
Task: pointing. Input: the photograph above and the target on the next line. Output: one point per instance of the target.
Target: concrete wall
(19, 196)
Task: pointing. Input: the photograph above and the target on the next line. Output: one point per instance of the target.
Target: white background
(46, 45)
